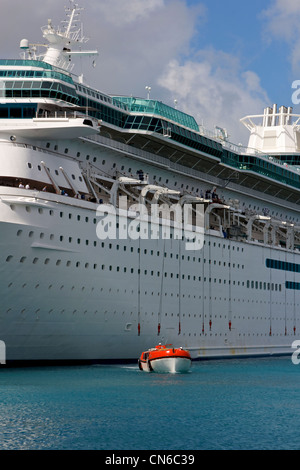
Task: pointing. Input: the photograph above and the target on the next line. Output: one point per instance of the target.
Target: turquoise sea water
(236, 404)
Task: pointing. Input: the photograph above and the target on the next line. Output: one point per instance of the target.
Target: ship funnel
(283, 118)
(267, 117)
(289, 116)
(274, 117)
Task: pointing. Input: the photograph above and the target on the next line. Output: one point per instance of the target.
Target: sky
(220, 60)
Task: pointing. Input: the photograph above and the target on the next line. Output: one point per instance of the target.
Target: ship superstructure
(82, 278)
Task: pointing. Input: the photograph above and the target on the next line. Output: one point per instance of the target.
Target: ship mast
(72, 15)
(62, 41)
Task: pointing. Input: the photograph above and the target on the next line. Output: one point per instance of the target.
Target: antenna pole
(70, 21)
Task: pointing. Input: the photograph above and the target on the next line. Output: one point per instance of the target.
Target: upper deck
(26, 85)
(41, 86)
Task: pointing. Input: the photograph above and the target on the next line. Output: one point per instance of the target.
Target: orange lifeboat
(165, 359)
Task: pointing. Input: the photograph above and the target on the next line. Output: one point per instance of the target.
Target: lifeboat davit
(165, 359)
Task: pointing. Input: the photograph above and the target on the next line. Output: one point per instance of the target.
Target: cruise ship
(89, 271)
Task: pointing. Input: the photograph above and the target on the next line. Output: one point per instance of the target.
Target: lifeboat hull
(171, 365)
(165, 359)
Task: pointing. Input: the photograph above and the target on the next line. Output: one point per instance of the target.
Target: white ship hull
(64, 299)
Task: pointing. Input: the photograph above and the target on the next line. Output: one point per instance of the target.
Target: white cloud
(282, 22)
(216, 91)
(121, 13)
(133, 52)
(282, 17)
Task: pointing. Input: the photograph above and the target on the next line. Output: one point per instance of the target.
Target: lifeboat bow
(165, 359)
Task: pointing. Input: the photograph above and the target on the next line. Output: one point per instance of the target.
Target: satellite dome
(24, 44)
